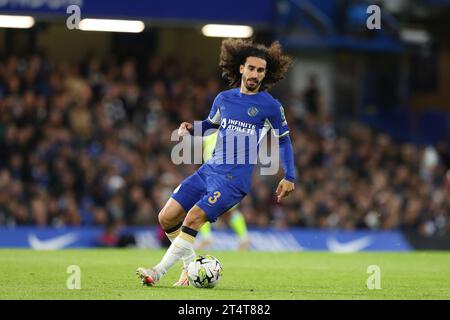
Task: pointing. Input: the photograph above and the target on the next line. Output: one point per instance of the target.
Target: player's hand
(284, 189)
(184, 128)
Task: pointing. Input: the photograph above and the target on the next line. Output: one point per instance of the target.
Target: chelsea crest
(252, 111)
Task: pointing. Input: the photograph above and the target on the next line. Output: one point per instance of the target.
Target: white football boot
(148, 277)
(183, 281)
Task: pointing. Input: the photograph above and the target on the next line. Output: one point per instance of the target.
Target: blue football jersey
(244, 120)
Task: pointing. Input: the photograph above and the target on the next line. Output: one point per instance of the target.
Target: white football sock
(181, 248)
(186, 259)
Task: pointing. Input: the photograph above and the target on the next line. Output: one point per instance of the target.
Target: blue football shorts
(213, 192)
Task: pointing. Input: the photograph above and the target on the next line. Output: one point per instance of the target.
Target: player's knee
(164, 219)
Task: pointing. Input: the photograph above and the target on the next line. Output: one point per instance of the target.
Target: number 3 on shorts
(213, 199)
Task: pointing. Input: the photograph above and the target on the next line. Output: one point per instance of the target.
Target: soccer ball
(204, 272)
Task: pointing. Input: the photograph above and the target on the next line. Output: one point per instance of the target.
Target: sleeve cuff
(291, 179)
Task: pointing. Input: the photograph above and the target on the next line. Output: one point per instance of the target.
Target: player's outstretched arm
(286, 185)
(199, 128)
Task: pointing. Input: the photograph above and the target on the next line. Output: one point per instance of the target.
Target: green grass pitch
(109, 274)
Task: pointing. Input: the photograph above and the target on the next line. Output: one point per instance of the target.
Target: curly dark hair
(234, 52)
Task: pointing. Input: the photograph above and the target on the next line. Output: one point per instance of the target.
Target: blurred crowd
(89, 144)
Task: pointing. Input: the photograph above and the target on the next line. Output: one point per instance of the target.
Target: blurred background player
(234, 216)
